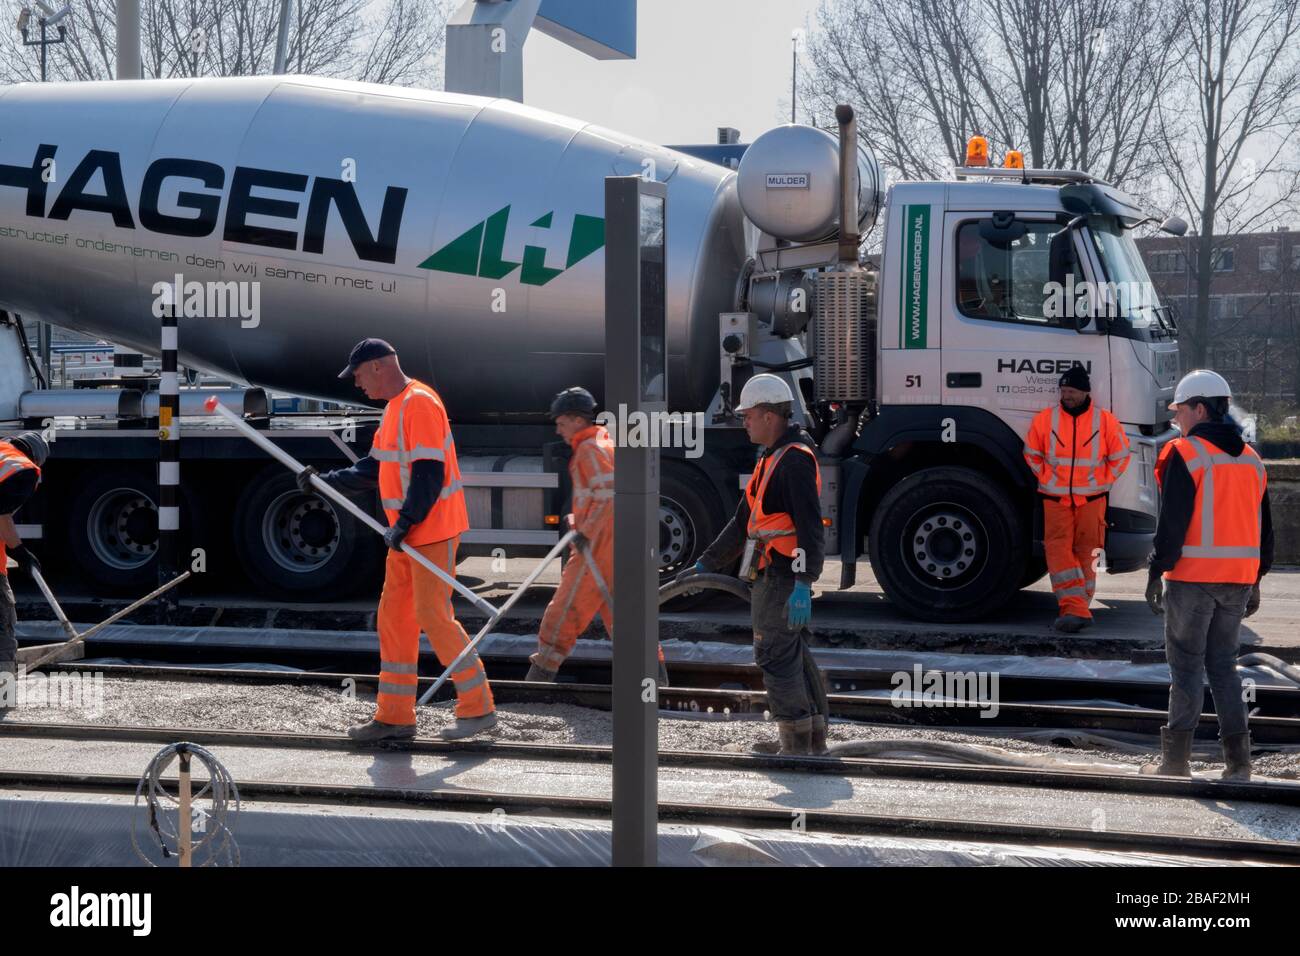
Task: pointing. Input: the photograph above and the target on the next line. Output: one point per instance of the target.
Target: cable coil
(217, 845)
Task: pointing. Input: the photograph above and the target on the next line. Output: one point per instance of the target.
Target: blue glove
(697, 568)
(798, 610)
(394, 536)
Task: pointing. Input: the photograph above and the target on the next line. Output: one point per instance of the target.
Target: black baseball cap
(364, 351)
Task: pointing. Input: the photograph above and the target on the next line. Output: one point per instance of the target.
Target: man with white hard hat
(778, 534)
(1214, 541)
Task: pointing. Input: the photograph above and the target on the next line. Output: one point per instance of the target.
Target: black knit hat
(1076, 377)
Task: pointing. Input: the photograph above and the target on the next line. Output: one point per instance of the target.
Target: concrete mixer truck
(469, 233)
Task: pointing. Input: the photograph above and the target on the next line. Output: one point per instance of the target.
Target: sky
(700, 64)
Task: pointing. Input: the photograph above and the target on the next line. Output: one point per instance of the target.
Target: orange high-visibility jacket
(1078, 457)
(415, 427)
(12, 461)
(591, 469)
(775, 532)
(1222, 541)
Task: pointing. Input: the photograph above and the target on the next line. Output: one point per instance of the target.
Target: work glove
(696, 568)
(26, 560)
(1156, 594)
(395, 535)
(1252, 602)
(798, 609)
(304, 480)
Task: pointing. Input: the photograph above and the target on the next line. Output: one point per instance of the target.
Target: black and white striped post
(169, 464)
(127, 362)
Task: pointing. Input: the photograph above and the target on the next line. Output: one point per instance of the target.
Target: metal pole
(128, 40)
(633, 342)
(282, 38)
(169, 465)
(794, 73)
(44, 45)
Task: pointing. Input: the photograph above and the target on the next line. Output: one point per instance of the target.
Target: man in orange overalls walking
(584, 589)
(21, 458)
(1077, 451)
(413, 463)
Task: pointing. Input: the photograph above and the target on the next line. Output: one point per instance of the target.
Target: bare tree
(396, 41)
(1230, 146)
(1072, 83)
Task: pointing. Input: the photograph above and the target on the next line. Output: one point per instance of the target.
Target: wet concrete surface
(316, 709)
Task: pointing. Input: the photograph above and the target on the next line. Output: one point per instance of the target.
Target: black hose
(782, 366)
(705, 582)
(1289, 671)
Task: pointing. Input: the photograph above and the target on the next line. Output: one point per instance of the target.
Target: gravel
(323, 710)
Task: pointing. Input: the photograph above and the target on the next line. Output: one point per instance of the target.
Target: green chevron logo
(478, 251)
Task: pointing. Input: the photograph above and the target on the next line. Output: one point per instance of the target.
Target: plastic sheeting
(77, 830)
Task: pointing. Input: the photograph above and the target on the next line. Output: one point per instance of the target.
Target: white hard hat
(1201, 383)
(764, 389)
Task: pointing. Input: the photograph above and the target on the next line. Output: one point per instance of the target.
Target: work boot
(818, 746)
(663, 674)
(376, 730)
(1071, 623)
(1175, 751)
(468, 726)
(540, 674)
(796, 736)
(1236, 754)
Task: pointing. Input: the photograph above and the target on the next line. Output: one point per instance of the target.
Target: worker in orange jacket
(1077, 451)
(584, 589)
(21, 458)
(413, 464)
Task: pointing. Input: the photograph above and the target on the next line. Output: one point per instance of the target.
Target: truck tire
(112, 530)
(948, 545)
(293, 545)
(688, 523)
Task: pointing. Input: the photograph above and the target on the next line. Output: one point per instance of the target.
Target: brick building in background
(1254, 307)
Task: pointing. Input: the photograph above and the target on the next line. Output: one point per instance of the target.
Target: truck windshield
(1129, 298)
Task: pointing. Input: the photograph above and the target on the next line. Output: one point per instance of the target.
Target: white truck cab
(988, 292)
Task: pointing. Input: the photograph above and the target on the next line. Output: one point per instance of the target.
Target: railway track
(721, 700)
(819, 820)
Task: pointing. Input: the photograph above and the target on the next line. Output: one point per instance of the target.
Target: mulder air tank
(469, 232)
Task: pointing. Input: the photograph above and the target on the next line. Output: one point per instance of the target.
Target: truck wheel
(112, 531)
(688, 523)
(1035, 568)
(296, 545)
(947, 545)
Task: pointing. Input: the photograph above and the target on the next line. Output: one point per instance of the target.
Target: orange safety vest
(1076, 456)
(12, 461)
(775, 532)
(415, 427)
(1222, 541)
(591, 469)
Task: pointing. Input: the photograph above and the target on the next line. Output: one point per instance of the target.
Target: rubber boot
(1175, 751)
(796, 736)
(468, 727)
(376, 730)
(540, 675)
(818, 746)
(1071, 623)
(1236, 754)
